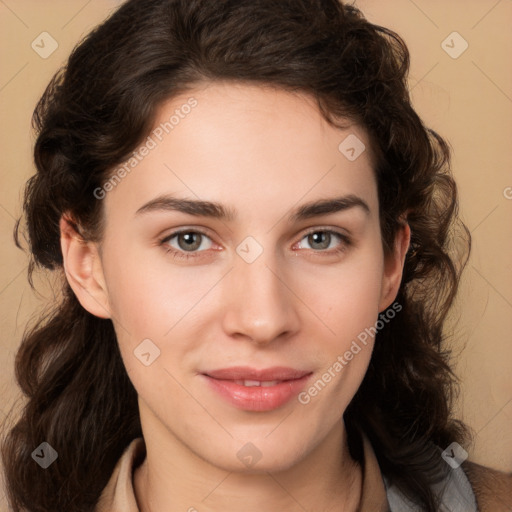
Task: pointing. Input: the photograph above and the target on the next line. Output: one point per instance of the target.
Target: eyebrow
(216, 210)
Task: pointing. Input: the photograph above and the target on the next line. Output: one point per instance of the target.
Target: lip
(248, 373)
(257, 398)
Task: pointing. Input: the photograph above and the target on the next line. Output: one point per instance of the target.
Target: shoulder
(468, 487)
(492, 488)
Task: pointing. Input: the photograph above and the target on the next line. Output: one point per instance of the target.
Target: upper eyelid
(338, 231)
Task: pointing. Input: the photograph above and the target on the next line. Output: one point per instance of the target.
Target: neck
(172, 477)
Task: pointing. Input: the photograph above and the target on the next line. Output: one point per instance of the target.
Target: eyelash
(179, 254)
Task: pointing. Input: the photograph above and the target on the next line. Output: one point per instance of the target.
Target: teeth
(270, 383)
(252, 383)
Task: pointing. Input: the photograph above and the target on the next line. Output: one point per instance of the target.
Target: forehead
(247, 146)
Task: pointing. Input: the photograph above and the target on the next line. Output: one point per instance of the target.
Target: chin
(258, 457)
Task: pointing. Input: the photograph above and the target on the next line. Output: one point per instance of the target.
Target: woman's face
(270, 277)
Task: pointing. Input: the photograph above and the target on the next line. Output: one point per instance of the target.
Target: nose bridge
(260, 305)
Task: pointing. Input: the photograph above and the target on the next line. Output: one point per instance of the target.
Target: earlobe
(393, 267)
(83, 269)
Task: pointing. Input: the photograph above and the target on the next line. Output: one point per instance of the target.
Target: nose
(259, 303)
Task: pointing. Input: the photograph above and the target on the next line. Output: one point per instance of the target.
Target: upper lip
(265, 374)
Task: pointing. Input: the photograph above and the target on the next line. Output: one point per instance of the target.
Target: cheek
(166, 305)
(150, 299)
(349, 312)
(345, 299)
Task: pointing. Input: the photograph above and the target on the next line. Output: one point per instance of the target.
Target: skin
(261, 152)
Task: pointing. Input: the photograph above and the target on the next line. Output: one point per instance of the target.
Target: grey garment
(455, 492)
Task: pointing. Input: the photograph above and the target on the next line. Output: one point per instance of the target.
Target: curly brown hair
(96, 111)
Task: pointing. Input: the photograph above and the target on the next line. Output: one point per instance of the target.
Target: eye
(182, 242)
(322, 239)
(188, 243)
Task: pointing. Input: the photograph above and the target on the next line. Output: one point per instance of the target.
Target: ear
(82, 265)
(393, 267)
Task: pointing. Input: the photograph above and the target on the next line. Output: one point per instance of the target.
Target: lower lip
(258, 398)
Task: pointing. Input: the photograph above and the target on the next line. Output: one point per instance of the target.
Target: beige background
(467, 99)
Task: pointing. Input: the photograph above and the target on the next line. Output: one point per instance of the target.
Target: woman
(252, 225)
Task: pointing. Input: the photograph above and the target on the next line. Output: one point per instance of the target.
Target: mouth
(257, 390)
